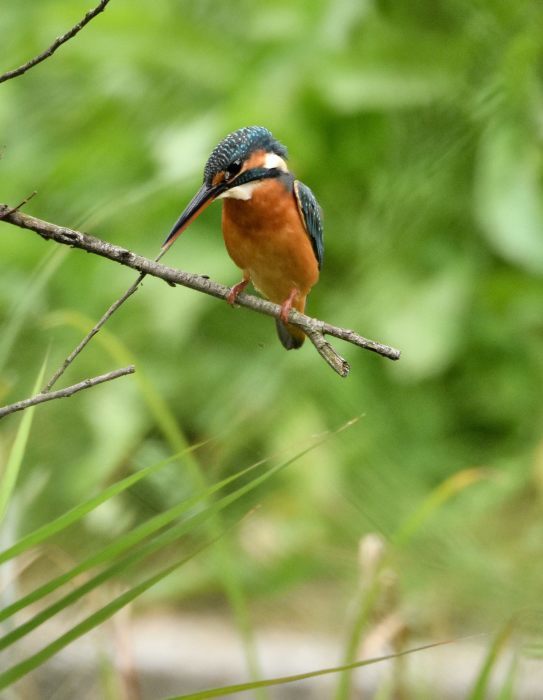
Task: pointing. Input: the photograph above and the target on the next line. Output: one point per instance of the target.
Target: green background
(419, 127)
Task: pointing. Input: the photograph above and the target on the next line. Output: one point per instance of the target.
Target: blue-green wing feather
(311, 217)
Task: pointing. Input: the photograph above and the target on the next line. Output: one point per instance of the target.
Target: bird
(271, 222)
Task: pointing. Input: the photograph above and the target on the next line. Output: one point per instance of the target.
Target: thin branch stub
(65, 393)
(91, 14)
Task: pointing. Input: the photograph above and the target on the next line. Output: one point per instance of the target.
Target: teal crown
(238, 146)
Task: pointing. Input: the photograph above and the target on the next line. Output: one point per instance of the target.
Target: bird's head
(236, 166)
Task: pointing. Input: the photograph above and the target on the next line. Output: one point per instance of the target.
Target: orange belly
(266, 238)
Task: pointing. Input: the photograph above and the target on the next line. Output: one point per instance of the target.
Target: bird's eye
(233, 169)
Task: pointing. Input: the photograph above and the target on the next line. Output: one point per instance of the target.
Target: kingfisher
(271, 222)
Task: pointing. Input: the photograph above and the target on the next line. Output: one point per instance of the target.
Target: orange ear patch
(219, 177)
(256, 160)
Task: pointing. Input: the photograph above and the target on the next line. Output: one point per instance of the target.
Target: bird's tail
(291, 337)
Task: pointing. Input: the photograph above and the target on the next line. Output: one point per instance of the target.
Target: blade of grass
(368, 597)
(365, 604)
(156, 544)
(21, 669)
(158, 408)
(133, 538)
(120, 545)
(438, 497)
(499, 644)
(507, 691)
(241, 687)
(17, 452)
(77, 513)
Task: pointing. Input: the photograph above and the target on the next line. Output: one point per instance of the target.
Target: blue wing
(311, 217)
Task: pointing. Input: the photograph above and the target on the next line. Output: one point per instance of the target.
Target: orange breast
(266, 238)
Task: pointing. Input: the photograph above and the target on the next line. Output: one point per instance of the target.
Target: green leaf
(75, 514)
(119, 545)
(120, 567)
(507, 691)
(22, 669)
(165, 539)
(240, 687)
(440, 495)
(482, 682)
(18, 449)
(131, 539)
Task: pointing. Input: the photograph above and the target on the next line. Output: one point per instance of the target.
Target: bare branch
(68, 391)
(327, 352)
(311, 326)
(19, 206)
(55, 45)
(90, 335)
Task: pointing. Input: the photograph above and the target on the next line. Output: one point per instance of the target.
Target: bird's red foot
(235, 290)
(286, 306)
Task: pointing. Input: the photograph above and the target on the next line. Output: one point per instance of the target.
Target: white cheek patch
(244, 192)
(272, 160)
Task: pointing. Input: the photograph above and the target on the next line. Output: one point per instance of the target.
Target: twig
(327, 352)
(21, 204)
(55, 45)
(68, 391)
(94, 330)
(311, 326)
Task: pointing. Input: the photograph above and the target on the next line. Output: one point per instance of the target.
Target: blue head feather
(238, 146)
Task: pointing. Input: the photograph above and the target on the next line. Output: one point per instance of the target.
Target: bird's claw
(286, 306)
(285, 310)
(235, 291)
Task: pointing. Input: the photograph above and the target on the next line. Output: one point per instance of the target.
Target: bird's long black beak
(203, 198)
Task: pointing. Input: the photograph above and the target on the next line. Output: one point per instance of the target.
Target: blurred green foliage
(419, 125)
